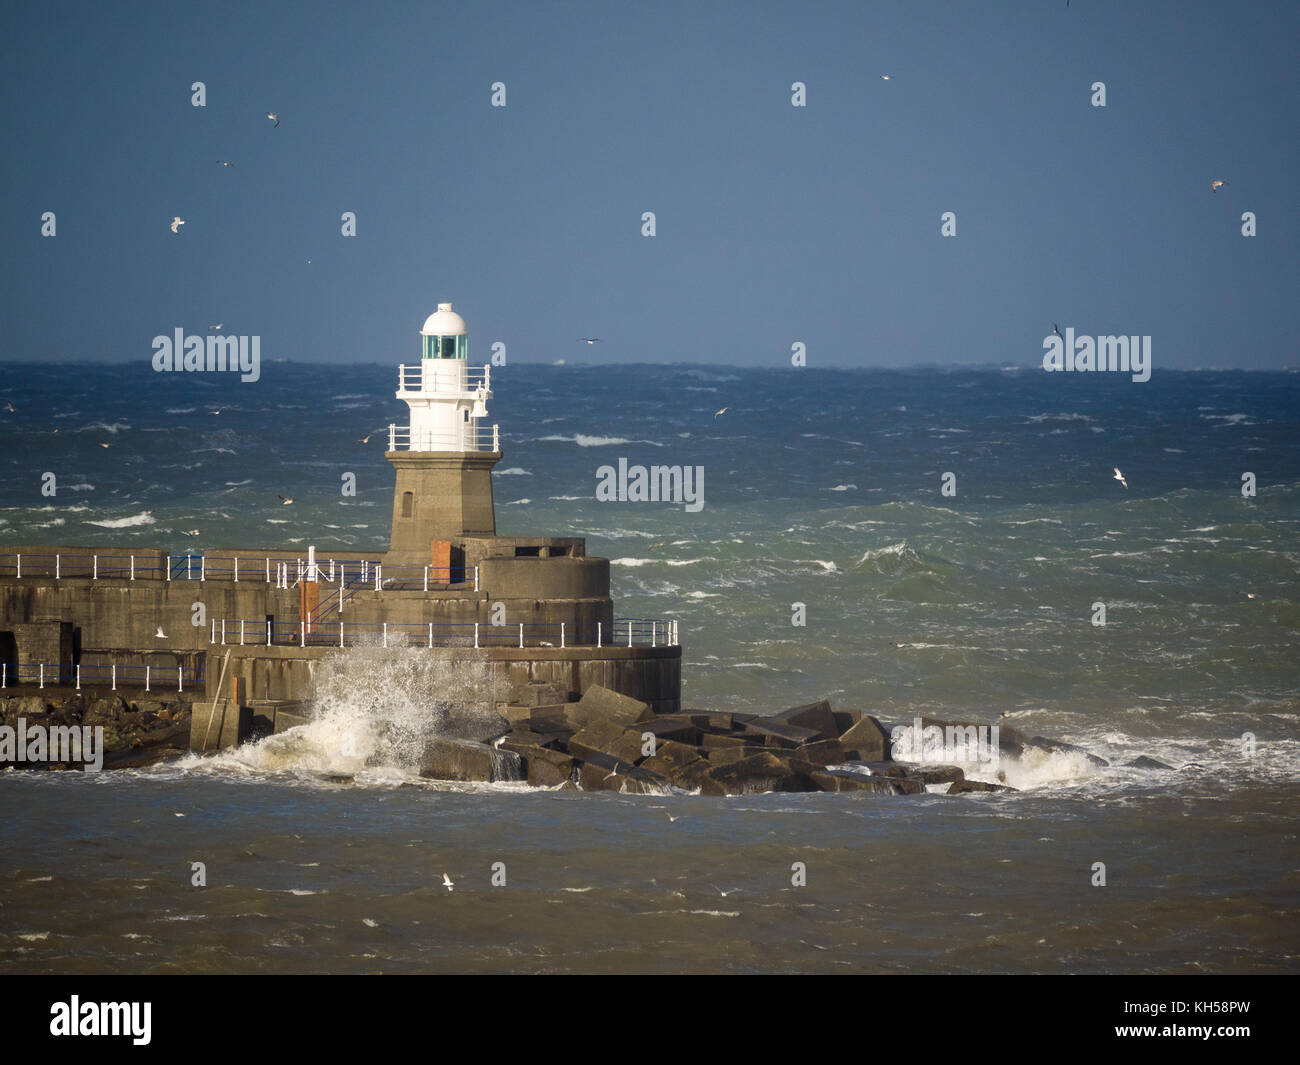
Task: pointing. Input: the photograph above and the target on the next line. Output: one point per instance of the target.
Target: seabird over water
(1216, 185)
(274, 117)
(283, 500)
(589, 340)
(446, 882)
(1120, 477)
(177, 222)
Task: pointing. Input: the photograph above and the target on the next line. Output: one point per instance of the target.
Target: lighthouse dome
(444, 322)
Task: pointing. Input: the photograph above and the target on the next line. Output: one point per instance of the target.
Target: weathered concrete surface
(465, 760)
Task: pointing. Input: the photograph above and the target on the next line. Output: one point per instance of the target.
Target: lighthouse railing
(471, 437)
(444, 377)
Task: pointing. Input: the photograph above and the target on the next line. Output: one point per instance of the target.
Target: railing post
(114, 676)
(223, 632)
(431, 634)
(203, 567)
(189, 567)
(496, 438)
(392, 437)
(133, 567)
(476, 634)
(521, 634)
(4, 674)
(180, 679)
(94, 570)
(385, 634)
(268, 569)
(212, 635)
(241, 632)
(426, 578)
(629, 632)
(476, 578)
(302, 634)
(561, 633)
(654, 634)
(236, 569)
(599, 634)
(169, 567)
(379, 570)
(56, 567)
(340, 632)
(146, 678)
(42, 674)
(268, 634)
(20, 565)
(78, 676)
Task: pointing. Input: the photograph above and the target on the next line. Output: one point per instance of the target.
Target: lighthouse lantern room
(444, 457)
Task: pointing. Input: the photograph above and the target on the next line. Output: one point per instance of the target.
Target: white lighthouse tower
(444, 457)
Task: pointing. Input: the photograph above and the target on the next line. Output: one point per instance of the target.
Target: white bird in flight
(589, 340)
(885, 77)
(446, 882)
(160, 634)
(273, 117)
(224, 163)
(1216, 185)
(283, 500)
(217, 326)
(1120, 477)
(177, 222)
(723, 411)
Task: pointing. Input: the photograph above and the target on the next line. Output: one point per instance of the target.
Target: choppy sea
(945, 536)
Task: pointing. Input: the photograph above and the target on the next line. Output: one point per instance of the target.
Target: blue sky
(775, 224)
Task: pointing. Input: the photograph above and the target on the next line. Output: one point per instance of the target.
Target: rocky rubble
(136, 733)
(609, 742)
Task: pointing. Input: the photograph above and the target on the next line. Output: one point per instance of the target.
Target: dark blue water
(821, 488)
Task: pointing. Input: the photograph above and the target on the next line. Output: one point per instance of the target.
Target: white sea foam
(143, 518)
(374, 709)
(844, 488)
(514, 471)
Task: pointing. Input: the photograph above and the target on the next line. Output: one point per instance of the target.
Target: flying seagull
(1120, 477)
(885, 77)
(219, 409)
(723, 411)
(105, 445)
(9, 406)
(446, 882)
(217, 326)
(1216, 185)
(1057, 330)
(589, 340)
(224, 163)
(286, 502)
(160, 634)
(189, 532)
(273, 117)
(177, 222)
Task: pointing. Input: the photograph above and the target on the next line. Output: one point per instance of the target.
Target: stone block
(602, 704)
(760, 773)
(866, 741)
(816, 716)
(465, 760)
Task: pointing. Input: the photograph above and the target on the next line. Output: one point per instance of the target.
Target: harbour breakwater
(547, 737)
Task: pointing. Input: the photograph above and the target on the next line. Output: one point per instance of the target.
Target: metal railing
(444, 377)
(150, 678)
(625, 632)
(283, 572)
(469, 436)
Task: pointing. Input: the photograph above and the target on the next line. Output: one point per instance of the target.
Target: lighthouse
(445, 454)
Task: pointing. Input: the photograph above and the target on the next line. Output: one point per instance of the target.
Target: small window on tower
(466, 415)
(408, 504)
(448, 347)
